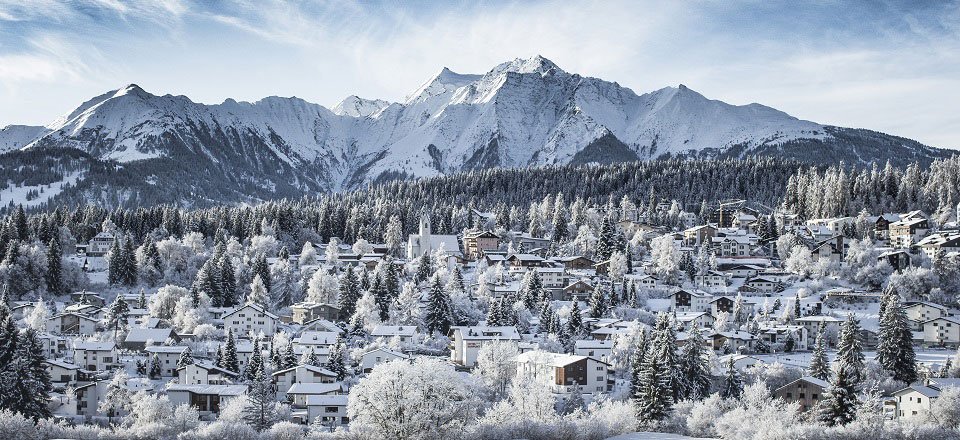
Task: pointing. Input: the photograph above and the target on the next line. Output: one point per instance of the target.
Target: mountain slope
(525, 112)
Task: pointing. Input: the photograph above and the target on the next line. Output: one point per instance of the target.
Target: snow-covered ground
(651, 436)
(18, 194)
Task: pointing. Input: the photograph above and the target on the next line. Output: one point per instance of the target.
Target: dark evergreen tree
(230, 361)
(693, 363)
(32, 385)
(337, 360)
(575, 321)
(54, 276)
(839, 406)
(732, 384)
(260, 267)
(439, 316)
(119, 314)
(819, 365)
(598, 302)
(850, 351)
(228, 281)
(156, 369)
(186, 358)
(349, 294)
(115, 263)
(895, 340)
(606, 243)
(260, 412)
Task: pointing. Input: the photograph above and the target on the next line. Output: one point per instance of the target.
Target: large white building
(465, 342)
(563, 372)
(425, 242)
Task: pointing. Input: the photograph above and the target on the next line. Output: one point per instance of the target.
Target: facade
(377, 356)
(915, 399)
(943, 331)
(100, 244)
(465, 342)
(807, 391)
(72, 324)
(905, 233)
(687, 301)
(204, 373)
(208, 399)
(476, 244)
(284, 379)
(95, 356)
(426, 242)
(168, 355)
(250, 318)
(563, 372)
(304, 312)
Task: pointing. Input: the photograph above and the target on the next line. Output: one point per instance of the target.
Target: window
(331, 409)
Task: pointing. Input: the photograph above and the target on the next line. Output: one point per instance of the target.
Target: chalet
(898, 260)
(688, 320)
(736, 340)
(687, 301)
(762, 284)
(466, 342)
(404, 333)
(807, 391)
(643, 280)
(378, 356)
(299, 392)
(923, 311)
(943, 331)
(516, 261)
(308, 311)
(741, 270)
(905, 233)
(778, 336)
(711, 279)
(63, 372)
(168, 355)
(788, 220)
(881, 225)
(88, 397)
(285, 378)
(250, 318)
(205, 373)
(578, 290)
(89, 298)
(721, 304)
(207, 399)
(138, 338)
(95, 356)
(577, 262)
(523, 240)
(478, 243)
(563, 372)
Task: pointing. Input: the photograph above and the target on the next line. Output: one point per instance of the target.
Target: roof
(480, 332)
(177, 349)
(809, 379)
(209, 367)
(317, 337)
(387, 351)
(394, 330)
(139, 334)
(818, 318)
(552, 359)
(314, 388)
(253, 306)
(94, 346)
(62, 364)
(922, 389)
(308, 367)
(328, 400)
(221, 390)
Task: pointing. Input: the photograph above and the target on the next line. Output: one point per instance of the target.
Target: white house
(466, 341)
(206, 398)
(204, 373)
(298, 393)
(100, 244)
(95, 356)
(592, 348)
(62, 372)
(168, 355)
(331, 409)
(71, 324)
(251, 317)
(942, 331)
(316, 340)
(563, 372)
(687, 301)
(378, 356)
(914, 399)
(404, 333)
(285, 378)
(923, 311)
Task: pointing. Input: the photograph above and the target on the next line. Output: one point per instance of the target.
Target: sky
(887, 66)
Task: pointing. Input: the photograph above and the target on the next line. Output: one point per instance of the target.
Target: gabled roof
(221, 390)
(252, 306)
(139, 334)
(808, 379)
(922, 389)
(210, 367)
(94, 346)
(315, 388)
(308, 367)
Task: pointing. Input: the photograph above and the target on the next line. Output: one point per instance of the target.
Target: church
(425, 242)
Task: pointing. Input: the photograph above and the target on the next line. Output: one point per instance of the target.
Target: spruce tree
(155, 368)
(142, 300)
(606, 243)
(349, 294)
(288, 358)
(260, 267)
(546, 317)
(114, 263)
(850, 351)
(230, 361)
(260, 412)
(129, 263)
(895, 345)
(819, 365)
(439, 316)
(32, 385)
(337, 360)
(228, 281)
(732, 384)
(654, 398)
(495, 313)
(575, 321)
(54, 275)
(598, 302)
(186, 358)
(119, 314)
(694, 366)
(839, 406)
(255, 369)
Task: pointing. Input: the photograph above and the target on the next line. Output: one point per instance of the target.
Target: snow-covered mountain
(526, 112)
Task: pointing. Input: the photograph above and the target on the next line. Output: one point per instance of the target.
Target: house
(699, 235)
(806, 391)
(72, 324)
(812, 323)
(922, 311)
(168, 355)
(330, 409)
(643, 280)
(299, 392)
(524, 241)
(721, 304)
(250, 318)
(205, 373)
(762, 284)
(378, 356)
(563, 372)
(898, 260)
(687, 301)
(742, 270)
(308, 311)
(942, 331)
(89, 298)
(520, 261)
(550, 277)
(578, 290)
(942, 243)
(62, 372)
(689, 320)
(778, 336)
(100, 244)
(206, 399)
(711, 279)
(906, 232)
(95, 356)
(466, 341)
(404, 333)
(285, 378)
(592, 348)
(138, 338)
(88, 397)
(732, 246)
(914, 399)
(576, 262)
(479, 242)
(736, 340)
(881, 225)
(316, 340)
(425, 242)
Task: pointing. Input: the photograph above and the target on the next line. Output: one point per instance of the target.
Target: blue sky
(889, 66)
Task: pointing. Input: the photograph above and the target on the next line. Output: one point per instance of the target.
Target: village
(757, 295)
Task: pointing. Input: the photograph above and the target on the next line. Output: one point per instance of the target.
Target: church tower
(425, 241)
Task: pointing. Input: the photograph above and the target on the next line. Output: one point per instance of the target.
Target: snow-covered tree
(37, 318)
(308, 254)
(895, 339)
(665, 259)
(819, 365)
(732, 386)
(323, 288)
(117, 398)
(496, 365)
(259, 294)
(261, 411)
(438, 317)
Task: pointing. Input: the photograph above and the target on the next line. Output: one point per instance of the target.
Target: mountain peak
(356, 106)
(534, 64)
(444, 81)
(131, 89)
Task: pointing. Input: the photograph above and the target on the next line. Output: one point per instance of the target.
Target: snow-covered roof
(317, 338)
(394, 330)
(328, 400)
(314, 388)
(506, 332)
(551, 359)
(94, 346)
(311, 368)
(221, 390)
(139, 334)
(168, 349)
(252, 306)
(922, 389)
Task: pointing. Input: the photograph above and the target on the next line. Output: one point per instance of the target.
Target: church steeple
(424, 225)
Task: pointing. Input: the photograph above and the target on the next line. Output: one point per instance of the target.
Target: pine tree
(255, 369)
(439, 315)
(310, 358)
(261, 268)
(495, 313)
(424, 269)
(218, 359)
(895, 343)
(606, 243)
(32, 384)
(230, 361)
(186, 358)
(260, 412)
(141, 367)
(546, 317)
(654, 396)
(349, 294)
(383, 298)
(819, 365)
(694, 366)
(337, 360)
(289, 358)
(54, 276)
(114, 263)
(839, 406)
(129, 263)
(156, 369)
(732, 384)
(575, 321)
(598, 302)
(228, 281)
(119, 314)
(850, 351)
(259, 295)
(796, 307)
